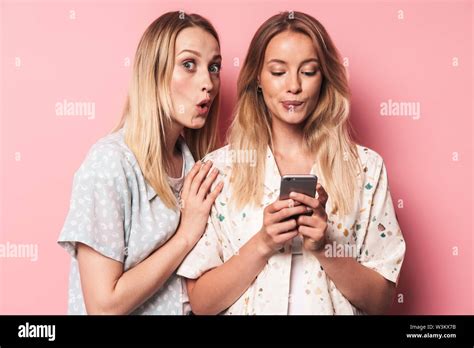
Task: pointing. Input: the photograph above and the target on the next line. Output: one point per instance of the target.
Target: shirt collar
(272, 173)
(188, 162)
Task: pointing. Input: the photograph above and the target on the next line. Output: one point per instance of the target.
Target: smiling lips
(291, 104)
(203, 106)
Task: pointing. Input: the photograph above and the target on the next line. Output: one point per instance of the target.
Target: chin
(197, 123)
(293, 120)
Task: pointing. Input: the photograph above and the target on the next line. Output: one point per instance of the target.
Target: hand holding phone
(305, 184)
(279, 225)
(313, 227)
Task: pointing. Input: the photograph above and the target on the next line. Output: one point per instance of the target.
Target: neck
(172, 133)
(287, 139)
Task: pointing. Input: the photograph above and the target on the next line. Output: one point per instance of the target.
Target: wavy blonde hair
(148, 107)
(327, 132)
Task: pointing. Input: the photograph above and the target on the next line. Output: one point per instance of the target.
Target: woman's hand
(276, 229)
(197, 200)
(313, 228)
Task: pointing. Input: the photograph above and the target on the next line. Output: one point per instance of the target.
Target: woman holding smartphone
(265, 255)
(125, 229)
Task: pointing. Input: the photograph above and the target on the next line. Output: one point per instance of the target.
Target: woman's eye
(310, 72)
(215, 68)
(189, 65)
(277, 73)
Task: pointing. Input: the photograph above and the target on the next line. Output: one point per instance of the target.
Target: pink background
(83, 59)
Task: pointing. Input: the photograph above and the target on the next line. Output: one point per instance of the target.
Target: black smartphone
(305, 184)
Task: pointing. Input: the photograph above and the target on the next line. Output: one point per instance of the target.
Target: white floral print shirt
(371, 230)
(116, 212)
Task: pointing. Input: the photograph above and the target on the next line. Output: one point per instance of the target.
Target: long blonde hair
(327, 131)
(148, 107)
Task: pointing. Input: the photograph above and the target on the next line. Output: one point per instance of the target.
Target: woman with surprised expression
(125, 229)
(265, 255)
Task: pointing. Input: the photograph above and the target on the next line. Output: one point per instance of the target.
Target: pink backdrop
(416, 52)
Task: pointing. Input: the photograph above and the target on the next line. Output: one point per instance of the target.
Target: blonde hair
(148, 107)
(327, 132)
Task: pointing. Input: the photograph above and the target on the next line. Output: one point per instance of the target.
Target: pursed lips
(203, 106)
(292, 103)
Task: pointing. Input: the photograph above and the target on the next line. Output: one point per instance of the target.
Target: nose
(294, 83)
(207, 85)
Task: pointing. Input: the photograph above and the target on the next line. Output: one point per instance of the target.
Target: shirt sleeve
(98, 205)
(206, 254)
(383, 249)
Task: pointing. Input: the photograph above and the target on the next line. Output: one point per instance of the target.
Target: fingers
(211, 197)
(310, 232)
(189, 178)
(322, 195)
(280, 204)
(279, 231)
(283, 231)
(200, 176)
(286, 213)
(282, 238)
(306, 200)
(312, 201)
(305, 221)
(305, 231)
(283, 227)
(206, 185)
(310, 221)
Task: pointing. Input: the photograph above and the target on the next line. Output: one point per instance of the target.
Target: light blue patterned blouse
(116, 212)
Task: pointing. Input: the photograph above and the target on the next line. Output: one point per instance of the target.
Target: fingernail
(309, 209)
(292, 194)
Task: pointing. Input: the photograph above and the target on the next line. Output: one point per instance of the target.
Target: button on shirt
(118, 214)
(371, 232)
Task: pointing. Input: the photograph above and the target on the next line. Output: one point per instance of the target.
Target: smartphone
(305, 184)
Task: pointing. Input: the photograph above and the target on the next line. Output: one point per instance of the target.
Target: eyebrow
(315, 60)
(196, 53)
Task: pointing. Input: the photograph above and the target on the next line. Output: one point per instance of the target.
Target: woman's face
(290, 78)
(195, 80)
